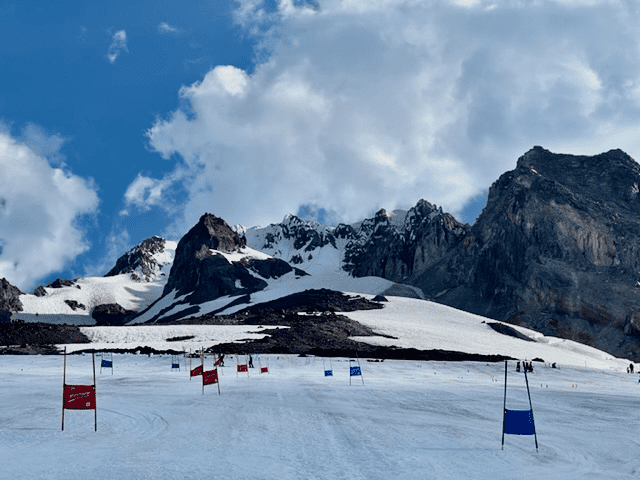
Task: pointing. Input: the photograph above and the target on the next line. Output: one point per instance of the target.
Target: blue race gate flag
(328, 373)
(106, 364)
(355, 371)
(519, 422)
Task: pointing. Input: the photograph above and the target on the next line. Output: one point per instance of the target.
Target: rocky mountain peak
(215, 233)
(9, 297)
(143, 261)
(554, 249)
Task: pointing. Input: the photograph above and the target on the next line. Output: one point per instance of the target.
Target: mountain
(216, 270)
(555, 249)
(136, 280)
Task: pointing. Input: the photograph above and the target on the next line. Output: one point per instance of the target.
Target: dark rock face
(140, 257)
(9, 297)
(110, 314)
(61, 282)
(206, 275)
(555, 249)
(40, 291)
(74, 305)
(398, 253)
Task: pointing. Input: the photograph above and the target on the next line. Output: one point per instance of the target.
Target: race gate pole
(95, 410)
(64, 381)
(504, 408)
(202, 363)
(535, 436)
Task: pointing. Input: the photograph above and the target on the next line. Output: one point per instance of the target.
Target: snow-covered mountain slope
(404, 322)
(216, 270)
(135, 282)
(314, 247)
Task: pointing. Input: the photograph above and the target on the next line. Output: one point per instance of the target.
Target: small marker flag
(354, 371)
(243, 368)
(175, 365)
(79, 397)
(106, 363)
(196, 371)
(264, 369)
(210, 377)
(328, 373)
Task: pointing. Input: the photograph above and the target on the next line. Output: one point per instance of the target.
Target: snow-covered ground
(410, 420)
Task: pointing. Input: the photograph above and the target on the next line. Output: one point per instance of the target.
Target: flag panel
(355, 371)
(210, 377)
(243, 368)
(518, 422)
(79, 397)
(196, 371)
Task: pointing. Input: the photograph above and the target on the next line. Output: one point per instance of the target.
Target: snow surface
(122, 289)
(410, 420)
(427, 325)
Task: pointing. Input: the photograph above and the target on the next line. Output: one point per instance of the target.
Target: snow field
(411, 420)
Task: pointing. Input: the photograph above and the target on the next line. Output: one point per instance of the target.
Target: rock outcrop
(142, 261)
(212, 260)
(555, 249)
(9, 297)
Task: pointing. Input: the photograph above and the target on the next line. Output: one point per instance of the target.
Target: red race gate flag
(264, 369)
(196, 371)
(210, 377)
(79, 397)
(243, 368)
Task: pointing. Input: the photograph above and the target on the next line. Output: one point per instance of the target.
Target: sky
(125, 120)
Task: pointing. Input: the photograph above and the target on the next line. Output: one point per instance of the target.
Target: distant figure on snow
(631, 368)
(518, 367)
(250, 361)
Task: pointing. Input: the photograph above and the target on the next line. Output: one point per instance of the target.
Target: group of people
(528, 366)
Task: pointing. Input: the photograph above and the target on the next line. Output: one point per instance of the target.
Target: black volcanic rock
(60, 283)
(396, 254)
(203, 274)
(140, 257)
(110, 314)
(40, 291)
(555, 249)
(9, 297)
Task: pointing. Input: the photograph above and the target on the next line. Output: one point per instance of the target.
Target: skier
(518, 367)
(250, 361)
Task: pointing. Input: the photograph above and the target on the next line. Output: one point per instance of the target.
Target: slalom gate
(242, 367)
(209, 378)
(355, 370)
(106, 362)
(328, 372)
(175, 362)
(263, 368)
(518, 422)
(79, 397)
(194, 372)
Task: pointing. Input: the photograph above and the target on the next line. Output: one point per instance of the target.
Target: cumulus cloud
(39, 210)
(118, 45)
(361, 105)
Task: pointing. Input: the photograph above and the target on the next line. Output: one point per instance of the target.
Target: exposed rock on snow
(145, 260)
(9, 297)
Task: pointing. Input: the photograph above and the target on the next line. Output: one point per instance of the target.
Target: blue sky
(122, 120)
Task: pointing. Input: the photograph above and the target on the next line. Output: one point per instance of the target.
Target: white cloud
(362, 105)
(118, 44)
(164, 27)
(39, 212)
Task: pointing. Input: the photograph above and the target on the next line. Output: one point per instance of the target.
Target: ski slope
(410, 420)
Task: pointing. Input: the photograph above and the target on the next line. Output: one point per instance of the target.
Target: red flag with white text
(210, 377)
(79, 397)
(196, 371)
